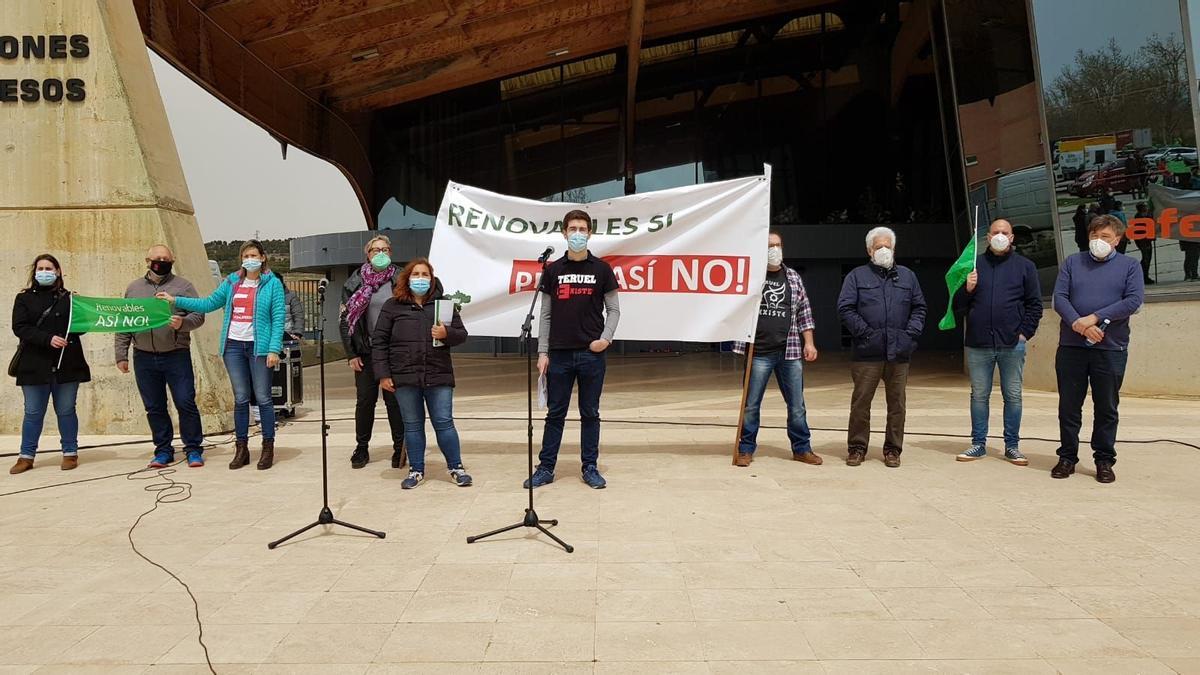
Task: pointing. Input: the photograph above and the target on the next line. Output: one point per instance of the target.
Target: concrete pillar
(96, 182)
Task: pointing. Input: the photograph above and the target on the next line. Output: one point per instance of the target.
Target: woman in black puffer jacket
(407, 362)
(51, 364)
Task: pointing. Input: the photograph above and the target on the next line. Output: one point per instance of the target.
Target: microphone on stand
(546, 254)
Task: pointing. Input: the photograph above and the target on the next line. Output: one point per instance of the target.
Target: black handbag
(16, 357)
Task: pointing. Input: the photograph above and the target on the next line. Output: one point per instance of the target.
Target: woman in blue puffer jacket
(251, 341)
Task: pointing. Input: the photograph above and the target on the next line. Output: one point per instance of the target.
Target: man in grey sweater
(1096, 292)
(579, 317)
(162, 360)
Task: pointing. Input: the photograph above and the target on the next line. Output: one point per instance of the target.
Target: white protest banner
(690, 262)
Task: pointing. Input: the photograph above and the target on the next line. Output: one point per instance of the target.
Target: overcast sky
(1066, 26)
(238, 180)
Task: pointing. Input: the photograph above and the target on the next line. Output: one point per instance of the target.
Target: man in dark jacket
(1095, 294)
(363, 297)
(883, 307)
(162, 360)
(1003, 304)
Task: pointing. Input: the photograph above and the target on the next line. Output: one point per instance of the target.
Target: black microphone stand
(531, 516)
(326, 515)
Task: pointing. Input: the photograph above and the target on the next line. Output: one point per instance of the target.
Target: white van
(1025, 199)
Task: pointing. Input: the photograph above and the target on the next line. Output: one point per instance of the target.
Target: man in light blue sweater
(1096, 292)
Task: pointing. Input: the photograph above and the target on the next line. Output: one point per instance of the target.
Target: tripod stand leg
(298, 532)
(552, 522)
(381, 535)
(472, 540)
(567, 547)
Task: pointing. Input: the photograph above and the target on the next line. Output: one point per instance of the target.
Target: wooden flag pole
(737, 441)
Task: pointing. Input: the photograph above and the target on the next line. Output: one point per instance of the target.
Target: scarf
(372, 280)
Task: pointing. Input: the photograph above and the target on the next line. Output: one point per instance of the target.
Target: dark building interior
(815, 94)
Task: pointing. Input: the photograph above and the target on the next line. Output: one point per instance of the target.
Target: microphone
(546, 254)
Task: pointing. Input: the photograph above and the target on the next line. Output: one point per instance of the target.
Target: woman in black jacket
(51, 363)
(367, 290)
(421, 375)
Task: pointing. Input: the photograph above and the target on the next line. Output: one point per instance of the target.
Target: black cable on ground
(931, 434)
(206, 446)
(168, 491)
(117, 444)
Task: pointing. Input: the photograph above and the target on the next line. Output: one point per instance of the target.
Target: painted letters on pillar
(36, 48)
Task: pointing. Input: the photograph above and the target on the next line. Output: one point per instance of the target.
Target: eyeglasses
(387, 249)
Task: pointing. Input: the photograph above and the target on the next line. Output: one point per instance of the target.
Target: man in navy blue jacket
(1003, 303)
(1096, 292)
(882, 306)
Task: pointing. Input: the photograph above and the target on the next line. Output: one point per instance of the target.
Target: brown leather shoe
(809, 457)
(241, 455)
(1104, 472)
(1063, 469)
(855, 457)
(891, 459)
(70, 462)
(268, 455)
(743, 459)
(21, 466)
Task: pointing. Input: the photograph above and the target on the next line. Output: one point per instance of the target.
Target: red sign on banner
(711, 274)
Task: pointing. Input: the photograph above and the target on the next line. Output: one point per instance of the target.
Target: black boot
(268, 455)
(399, 457)
(360, 458)
(241, 455)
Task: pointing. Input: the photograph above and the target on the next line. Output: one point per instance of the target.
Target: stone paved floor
(684, 564)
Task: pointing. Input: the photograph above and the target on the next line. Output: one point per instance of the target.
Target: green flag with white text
(956, 276)
(118, 315)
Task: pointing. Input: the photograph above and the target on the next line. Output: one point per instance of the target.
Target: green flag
(956, 276)
(118, 315)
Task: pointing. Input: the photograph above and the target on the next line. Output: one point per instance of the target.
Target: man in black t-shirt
(578, 319)
(783, 341)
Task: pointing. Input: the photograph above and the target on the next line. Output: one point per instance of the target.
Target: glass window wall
(1122, 129)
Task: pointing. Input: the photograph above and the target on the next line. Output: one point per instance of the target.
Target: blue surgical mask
(252, 264)
(577, 242)
(45, 277)
(381, 260)
(418, 286)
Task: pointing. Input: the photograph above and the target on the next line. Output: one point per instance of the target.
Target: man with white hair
(162, 360)
(883, 307)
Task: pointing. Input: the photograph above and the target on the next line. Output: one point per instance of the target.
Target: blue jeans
(566, 366)
(440, 402)
(249, 373)
(155, 373)
(790, 376)
(981, 365)
(37, 399)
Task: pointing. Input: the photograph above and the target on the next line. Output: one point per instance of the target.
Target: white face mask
(1100, 248)
(775, 256)
(999, 243)
(883, 257)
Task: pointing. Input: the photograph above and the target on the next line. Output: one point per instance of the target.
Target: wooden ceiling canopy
(362, 55)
